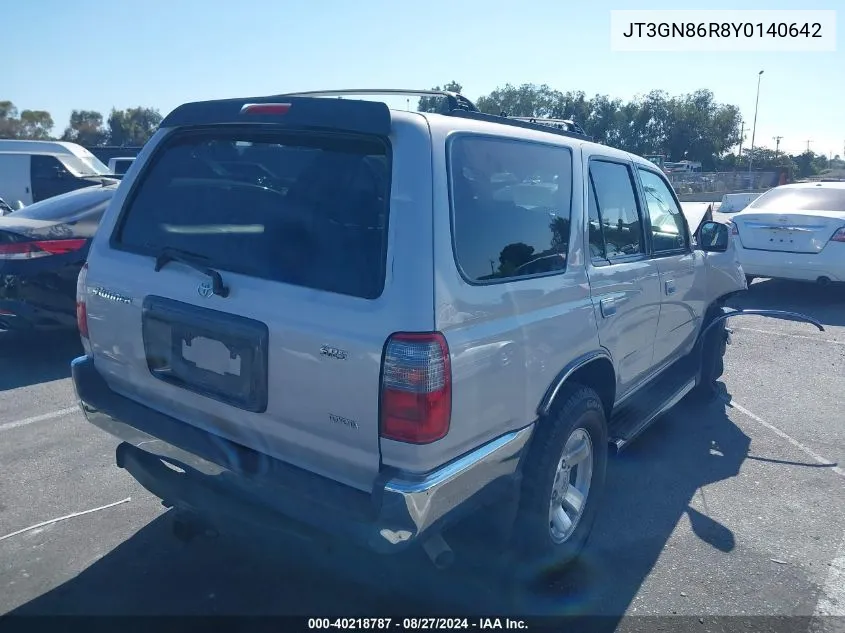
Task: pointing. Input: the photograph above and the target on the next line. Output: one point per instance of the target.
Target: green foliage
(86, 128)
(133, 126)
(30, 124)
(36, 125)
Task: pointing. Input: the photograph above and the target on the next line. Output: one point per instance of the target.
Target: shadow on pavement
(33, 359)
(824, 303)
(650, 487)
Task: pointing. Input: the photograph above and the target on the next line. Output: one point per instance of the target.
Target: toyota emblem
(205, 290)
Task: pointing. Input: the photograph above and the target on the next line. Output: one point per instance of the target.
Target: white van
(56, 147)
(31, 171)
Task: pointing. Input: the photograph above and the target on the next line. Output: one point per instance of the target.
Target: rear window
(304, 209)
(785, 199)
(511, 207)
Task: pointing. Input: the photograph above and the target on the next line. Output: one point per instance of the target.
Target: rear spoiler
(308, 110)
(362, 117)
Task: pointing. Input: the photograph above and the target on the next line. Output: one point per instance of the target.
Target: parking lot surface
(736, 508)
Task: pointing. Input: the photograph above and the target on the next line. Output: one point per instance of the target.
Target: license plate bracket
(216, 354)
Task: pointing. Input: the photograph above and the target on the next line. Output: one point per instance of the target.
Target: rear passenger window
(511, 207)
(668, 229)
(617, 207)
(303, 209)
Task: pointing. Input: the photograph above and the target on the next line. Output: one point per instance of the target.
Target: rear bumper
(227, 483)
(829, 262)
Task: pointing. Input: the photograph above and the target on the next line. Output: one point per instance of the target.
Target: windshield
(94, 164)
(78, 166)
(785, 199)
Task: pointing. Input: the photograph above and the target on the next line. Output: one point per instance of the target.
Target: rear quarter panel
(508, 341)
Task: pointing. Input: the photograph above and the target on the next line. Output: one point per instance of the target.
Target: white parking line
(64, 518)
(832, 596)
(808, 338)
(805, 449)
(6, 426)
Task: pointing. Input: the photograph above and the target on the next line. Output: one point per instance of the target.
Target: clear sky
(60, 55)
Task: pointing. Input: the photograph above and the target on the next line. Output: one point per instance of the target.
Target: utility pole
(809, 140)
(741, 138)
(754, 127)
(777, 144)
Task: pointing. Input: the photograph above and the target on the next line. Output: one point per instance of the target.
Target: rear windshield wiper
(193, 260)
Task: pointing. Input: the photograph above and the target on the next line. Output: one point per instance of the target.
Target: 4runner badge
(333, 352)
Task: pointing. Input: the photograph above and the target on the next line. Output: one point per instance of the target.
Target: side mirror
(713, 237)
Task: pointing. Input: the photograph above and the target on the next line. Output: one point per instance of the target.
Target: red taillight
(81, 309)
(32, 250)
(416, 388)
(734, 229)
(265, 108)
(839, 236)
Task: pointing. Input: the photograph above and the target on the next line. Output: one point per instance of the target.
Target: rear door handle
(670, 286)
(608, 307)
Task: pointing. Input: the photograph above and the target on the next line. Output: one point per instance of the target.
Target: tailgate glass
(303, 208)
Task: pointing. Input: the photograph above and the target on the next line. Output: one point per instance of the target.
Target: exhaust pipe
(439, 551)
(823, 281)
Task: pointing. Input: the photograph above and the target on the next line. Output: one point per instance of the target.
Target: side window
(597, 247)
(617, 208)
(668, 229)
(46, 167)
(511, 207)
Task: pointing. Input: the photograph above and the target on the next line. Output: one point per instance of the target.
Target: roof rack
(453, 100)
(455, 104)
(528, 123)
(564, 124)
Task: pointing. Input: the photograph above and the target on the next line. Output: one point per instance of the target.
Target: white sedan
(794, 232)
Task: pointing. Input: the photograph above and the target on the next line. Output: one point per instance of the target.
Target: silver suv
(309, 312)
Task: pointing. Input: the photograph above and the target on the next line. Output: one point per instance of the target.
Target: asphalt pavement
(736, 508)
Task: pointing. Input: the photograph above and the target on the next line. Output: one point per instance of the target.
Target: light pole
(754, 126)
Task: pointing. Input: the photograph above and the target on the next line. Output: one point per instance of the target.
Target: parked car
(372, 332)
(120, 164)
(32, 171)
(794, 232)
(42, 249)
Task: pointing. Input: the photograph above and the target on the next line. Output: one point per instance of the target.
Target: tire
(579, 418)
(712, 350)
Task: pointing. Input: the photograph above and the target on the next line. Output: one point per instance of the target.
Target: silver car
(323, 313)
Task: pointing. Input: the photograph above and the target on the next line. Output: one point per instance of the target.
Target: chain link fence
(723, 182)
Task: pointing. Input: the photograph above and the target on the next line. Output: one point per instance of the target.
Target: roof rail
(453, 100)
(528, 123)
(565, 124)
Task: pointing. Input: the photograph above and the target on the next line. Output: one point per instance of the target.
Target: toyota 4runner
(311, 312)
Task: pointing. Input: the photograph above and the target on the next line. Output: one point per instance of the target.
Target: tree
(86, 128)
(36, 125)
(804, 164)
(433, 104)
(9, 122)
(133, 126)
